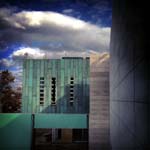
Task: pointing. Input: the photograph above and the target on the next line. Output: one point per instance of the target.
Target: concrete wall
(129, 77)
(99, 102)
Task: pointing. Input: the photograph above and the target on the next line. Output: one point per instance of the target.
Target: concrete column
(99, 102)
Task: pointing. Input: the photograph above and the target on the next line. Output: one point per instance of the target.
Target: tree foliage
(9, 98)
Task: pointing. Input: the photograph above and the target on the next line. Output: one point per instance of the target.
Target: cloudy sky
(51, 29)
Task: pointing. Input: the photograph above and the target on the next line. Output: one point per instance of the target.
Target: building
(129, 87)
(129, 76)
(55, 87)
(65, 105)
(99, 102)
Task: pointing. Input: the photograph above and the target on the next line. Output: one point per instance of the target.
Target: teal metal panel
(25, 95)
(42, 75)
(80, 89)
(38, 86)
(47, 80)
(87, 92)
(76, 85)
(30, 102)
(53, 107)
(34, 87)
(15, 131)
(50, 75)
(71, 108)
(68, 61)
(61, 121)
(62, 85)
(45, 90)
(58, 86)
(84, 84)
(48, 85)
(63, 70)
(26, 100)
(23, 87)
(65, 86)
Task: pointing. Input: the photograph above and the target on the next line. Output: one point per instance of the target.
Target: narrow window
(41, 86)
(59, 134)
(71, 91)
(41, 95)
(41, 78)
(41, 82)
(53, 91)
(71, 78)
(41, 98)
(71, 82)
(71, 86)
(41, 102)
(71, 95)
(41, 90)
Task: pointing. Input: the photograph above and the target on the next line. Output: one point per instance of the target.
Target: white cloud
(39, 18)
(15, 59)
(6, 62)
(23, 52)
(49, 35)
(54, 32)
(36, 53)
(18, 77)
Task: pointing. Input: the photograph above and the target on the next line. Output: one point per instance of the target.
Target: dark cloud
(52, 36)
(49, 29)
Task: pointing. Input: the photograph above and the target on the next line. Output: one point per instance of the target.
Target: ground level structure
(83, 123)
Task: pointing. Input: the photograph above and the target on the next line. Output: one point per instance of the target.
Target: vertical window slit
(41, 90)
(53, 91)
(71, 101)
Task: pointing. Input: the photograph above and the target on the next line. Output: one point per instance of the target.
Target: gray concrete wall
(129, 77)
(99, 102)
